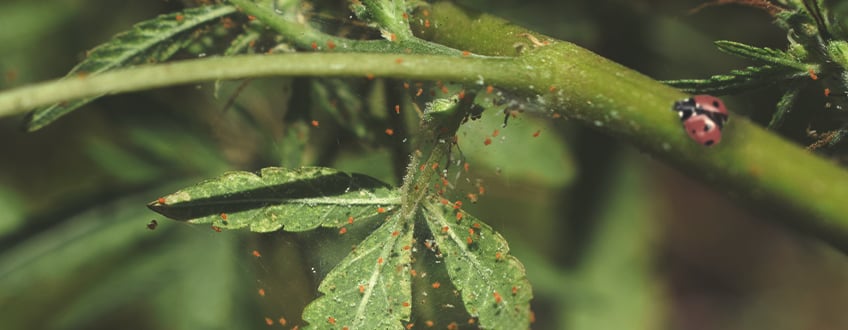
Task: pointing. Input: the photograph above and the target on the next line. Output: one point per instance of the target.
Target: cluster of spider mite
(703, 117)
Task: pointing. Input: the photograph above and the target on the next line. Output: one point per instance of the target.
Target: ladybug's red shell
(710, 103)
(703, 117)
(703, 130)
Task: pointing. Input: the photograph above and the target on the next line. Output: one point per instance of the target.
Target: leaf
(739, 80)
(493, 283)
(761, 54)
(371, 287)
(386, 15)
(783, 107)
(292, 199)
(152, 40)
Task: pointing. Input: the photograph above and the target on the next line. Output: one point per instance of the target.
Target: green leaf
(783, 107)
(493, 283)
(152, 40)
(739, 80)
(388, 15)
(371, 287)
(293, 199)
(761, 54)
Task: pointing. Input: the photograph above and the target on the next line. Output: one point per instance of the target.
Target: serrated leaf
(292, 199)
(371, 287)
(493, 283)
(149, 40)
(762, 54)
(783, 107)
(739, 80)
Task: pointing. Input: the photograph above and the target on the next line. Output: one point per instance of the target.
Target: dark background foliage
(610, 238)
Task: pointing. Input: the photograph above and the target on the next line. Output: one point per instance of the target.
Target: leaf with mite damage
(493, 283)
(291, 199)
(371, 287)
(153, 40)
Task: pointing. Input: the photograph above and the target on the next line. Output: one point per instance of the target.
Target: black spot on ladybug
(708, 143)
(715, 104)
(706, 128)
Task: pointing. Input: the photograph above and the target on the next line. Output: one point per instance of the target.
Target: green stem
(754, 167)
(306, 37)
(416, 67)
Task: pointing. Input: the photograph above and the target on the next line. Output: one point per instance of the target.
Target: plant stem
(306, 37)
(421, 67)
(752, 166)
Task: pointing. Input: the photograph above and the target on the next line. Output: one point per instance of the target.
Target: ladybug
(703, 117)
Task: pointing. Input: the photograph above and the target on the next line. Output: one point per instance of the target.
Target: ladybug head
(685, 108)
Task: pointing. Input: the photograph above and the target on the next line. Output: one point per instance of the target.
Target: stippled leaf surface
(371, 287)
(292, 199)
(493, 283)
(153, 40)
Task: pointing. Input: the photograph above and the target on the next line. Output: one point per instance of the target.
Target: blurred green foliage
(609, 238)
